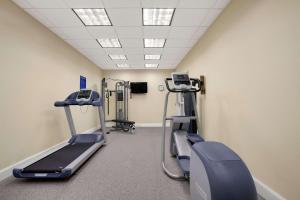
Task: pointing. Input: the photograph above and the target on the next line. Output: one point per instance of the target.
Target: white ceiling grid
(190, 21)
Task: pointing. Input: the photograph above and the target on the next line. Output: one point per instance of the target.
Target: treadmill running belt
(58, 160)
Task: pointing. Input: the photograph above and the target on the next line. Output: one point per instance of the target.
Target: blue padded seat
(228, 176)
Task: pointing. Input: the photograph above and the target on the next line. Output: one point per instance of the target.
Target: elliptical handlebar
(195, 81)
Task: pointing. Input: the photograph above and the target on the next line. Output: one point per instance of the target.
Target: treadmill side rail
(73, 166)
(18, 173)
(64, 173)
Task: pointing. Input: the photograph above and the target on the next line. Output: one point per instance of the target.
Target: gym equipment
(215, 172)
(121, 103)
(65, 161)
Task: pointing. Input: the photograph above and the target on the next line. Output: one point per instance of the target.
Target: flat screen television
(139, 87)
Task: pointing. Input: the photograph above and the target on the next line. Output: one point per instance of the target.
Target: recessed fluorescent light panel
(152, 57)
(109, 42)
(93, 17)
(151, 65)
(117, 57)
(156, 43)
(123, 65)
(157, 16)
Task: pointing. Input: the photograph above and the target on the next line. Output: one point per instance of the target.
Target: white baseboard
(7, 172)
(148, 124)
(110, 124)
(266, 192)
(91, 130)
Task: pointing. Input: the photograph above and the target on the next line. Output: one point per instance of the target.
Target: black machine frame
(121, 91)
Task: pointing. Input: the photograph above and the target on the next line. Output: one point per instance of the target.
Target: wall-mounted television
(139, 87)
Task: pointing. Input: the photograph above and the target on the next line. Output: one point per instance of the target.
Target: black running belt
(58, 160)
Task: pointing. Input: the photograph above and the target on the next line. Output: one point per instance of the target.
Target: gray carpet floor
(128, 168)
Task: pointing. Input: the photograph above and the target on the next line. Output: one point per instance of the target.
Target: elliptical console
(181, 81)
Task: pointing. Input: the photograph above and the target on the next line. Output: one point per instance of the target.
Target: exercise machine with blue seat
(214, 170)
(65, 161)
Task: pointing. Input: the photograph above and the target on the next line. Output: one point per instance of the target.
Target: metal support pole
(163, 156)
(102, 122)
(70, 120)
(196, 114)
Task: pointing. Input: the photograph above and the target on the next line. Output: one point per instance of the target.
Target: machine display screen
(84, 94)
(82, 82)
(181, 79)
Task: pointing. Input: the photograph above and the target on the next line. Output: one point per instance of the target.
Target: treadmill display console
(181, 81)
(84, 95)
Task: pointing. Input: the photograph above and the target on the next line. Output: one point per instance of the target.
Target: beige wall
(36, 69)
(143, 108)
(251, 60)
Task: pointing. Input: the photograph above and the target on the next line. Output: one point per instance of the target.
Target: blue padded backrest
(229, 177)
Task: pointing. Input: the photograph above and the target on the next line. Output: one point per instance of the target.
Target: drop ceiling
(190, 21)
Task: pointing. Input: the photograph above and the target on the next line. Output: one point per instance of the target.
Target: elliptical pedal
(184, 164)
(194, 138)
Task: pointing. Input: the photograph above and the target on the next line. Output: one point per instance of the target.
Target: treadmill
(65, 161)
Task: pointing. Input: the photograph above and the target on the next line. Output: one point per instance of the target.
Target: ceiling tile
(171, 58)
(74, 32)
(59, 32)
(48, 4)
(175, 50)
(94, 51)
(129, 32)
(180, 43)
(153, 50)
(41, 18)
(167, 64)
(102, 31)
(222, 3)
(130, 50)
(114, 50)
(120, 62)
(122, 3)
(182, 32)
(103, 61)
(156, 31)
(189, 17)
(191, 20)
(125, 17)
(135, 57)
(73, 43)
(159, 3)
(166, 67)
(152, 61)
(196, 3)
(84, 3)
(23, 3)
(211, 16)
(61, 17)
(198, 34)
(130, 42)
(85, 44)
(136, 65)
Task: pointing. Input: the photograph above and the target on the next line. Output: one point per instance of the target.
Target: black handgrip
(81, 103)
(188, 90)
(59, 103)
(167, 84)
